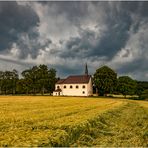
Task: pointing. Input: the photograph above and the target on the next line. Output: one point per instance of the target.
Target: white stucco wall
(80, 91)
(89, 88)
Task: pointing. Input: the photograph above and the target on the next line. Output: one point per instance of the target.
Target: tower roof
(86, 69)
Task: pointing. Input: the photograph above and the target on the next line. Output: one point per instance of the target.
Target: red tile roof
(77, 79)
(60, 81)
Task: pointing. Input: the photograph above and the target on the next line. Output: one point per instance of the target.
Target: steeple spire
(86, 69)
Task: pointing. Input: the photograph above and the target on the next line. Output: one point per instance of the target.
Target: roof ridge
(78, 75)
(75, 79)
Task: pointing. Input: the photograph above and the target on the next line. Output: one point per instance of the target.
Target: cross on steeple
(86, 69)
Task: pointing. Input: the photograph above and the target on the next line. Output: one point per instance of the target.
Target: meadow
(72, 121)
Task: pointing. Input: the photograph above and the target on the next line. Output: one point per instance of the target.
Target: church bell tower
(86, 69)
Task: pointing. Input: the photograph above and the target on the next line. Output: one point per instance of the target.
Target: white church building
(74, 85)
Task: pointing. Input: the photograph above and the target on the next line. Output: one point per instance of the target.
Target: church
(75, 85)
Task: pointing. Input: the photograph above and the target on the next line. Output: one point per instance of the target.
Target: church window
(70, 86)
(83, 92)
(77, 86)
(64, 86)
(58, 87)
(83, 86)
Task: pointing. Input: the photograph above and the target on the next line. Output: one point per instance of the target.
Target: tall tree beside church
(105, 80)
(52, 80)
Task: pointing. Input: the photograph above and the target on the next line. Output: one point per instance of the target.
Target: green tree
(52, 80)
(105, 80)
(39, 79)
(8, 82)
(15, 78)
(43, 75)
(26, 81)
(1, 81)
(144, 94)
(126, 85)
(139, 90)
(23, 86)
(31, 78)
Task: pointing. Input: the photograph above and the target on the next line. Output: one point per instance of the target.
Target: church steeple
(86, 69)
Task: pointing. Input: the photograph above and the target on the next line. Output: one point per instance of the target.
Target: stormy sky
(66, 35)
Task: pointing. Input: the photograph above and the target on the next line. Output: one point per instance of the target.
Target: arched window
(70, 86)
(58, 87)
(83, 86)
(77, 86)
(83, 92)
(64, 86)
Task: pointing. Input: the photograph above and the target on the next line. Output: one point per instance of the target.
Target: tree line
(38, 79)
(106, 82)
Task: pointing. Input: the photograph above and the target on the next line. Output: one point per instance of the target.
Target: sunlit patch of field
(58, 121)
(143, 103)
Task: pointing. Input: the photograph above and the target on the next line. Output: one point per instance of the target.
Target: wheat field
(72, 121)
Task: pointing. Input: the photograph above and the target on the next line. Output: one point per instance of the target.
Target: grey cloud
(110, 42)
(63, 71)
(19, 25)
(74, 10)
(126, 54)
(138, 68)
(98, 32)
(15, 19)
(14, 62)
(119, 21)
(137, 7)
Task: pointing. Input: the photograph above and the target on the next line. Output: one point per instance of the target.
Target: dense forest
(41, 80)
(38, 79)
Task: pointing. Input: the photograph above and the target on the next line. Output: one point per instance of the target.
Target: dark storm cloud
(134, 66)
(74, 10)
(79, 46)
(110, 42)
(119, 21)
(137, 7)
(18, 25)
(64, 71)
(14, 19)
(80, 31)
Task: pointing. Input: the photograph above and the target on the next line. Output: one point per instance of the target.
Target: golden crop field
(72, 121)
